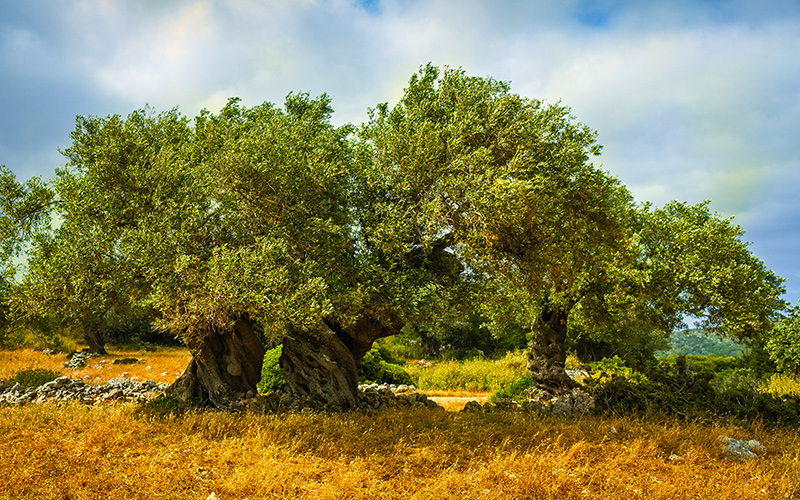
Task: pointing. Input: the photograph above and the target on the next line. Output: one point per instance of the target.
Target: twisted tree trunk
(548, 352)
(225, 369)
(320, 364)
(317, 365)
(94, 337)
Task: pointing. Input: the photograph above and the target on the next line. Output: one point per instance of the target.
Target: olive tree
(270, 221)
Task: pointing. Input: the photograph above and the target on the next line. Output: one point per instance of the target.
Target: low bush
(685, 389)
(126, 361)
(780, 384)
(708, 362)
(518, 390)
(33, 377)
(401, 346)
(679, 390)
(378, 366)
(609, 368)
(271, 374)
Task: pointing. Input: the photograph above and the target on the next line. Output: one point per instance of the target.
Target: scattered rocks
(499, 405)
(79, 359)
(372, 398)
(575, 402)
(66, 389)
(376, 397)
(741, 450)
(472, 407)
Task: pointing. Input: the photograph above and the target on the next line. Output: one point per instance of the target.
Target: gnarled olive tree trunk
(319, 364)
(548, 352)
(94, 337)
(225, 369)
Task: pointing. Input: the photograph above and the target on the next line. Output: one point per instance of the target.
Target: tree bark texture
(225, 369)
(94, 338)
(320, 364)
(548, 352)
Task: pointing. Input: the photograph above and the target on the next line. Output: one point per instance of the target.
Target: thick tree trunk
(94, 339)
(226, 368)
(320, 364)
(548, 353)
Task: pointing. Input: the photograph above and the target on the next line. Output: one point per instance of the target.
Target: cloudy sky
(693, 100)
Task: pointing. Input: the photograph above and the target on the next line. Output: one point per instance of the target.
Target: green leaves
(697, 264)
(24, 208)
(783, 343)
(461, 194)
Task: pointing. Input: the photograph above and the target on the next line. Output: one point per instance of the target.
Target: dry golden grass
(166, 363)
(456, 403)
(76, 452)
(69, 451)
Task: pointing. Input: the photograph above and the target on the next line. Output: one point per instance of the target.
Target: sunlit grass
(477, 375)
(71, 451)
(779, 384)
(166, 363)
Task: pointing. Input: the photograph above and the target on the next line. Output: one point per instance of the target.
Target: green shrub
(608, 368)
(33, 377)
(271, 374)
(377, 367)
(517, 390)
(709, 362)
(679, 390)
(401, 347)
(126, 361)
(781, 384)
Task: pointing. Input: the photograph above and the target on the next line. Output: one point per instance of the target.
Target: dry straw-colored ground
(118, 451)
(165, 363)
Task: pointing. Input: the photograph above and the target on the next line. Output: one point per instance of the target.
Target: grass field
(165, 363)
(471, 376)
(119, 450)
(75, 452)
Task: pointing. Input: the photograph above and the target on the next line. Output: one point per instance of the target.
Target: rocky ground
(66, 389)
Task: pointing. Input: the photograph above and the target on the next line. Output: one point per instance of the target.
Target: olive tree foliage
(24, 210)
(109, 191)
(461, 198)
(682, 262)
(546, 238)
(695, 263)
(783, 343)
(225, 226)
(507, 182)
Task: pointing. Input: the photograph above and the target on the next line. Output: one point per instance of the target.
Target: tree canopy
(461, 198)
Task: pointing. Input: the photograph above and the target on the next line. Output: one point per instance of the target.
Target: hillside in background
(698, 342)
